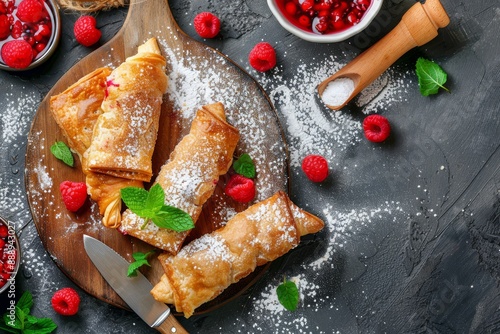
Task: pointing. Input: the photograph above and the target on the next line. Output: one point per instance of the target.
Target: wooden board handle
(171, 326)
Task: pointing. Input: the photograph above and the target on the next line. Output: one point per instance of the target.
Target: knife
(135, 291)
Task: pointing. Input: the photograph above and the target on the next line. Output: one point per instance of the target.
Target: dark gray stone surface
(413, 235)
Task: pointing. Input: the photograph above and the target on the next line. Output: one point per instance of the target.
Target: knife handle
(170, 326)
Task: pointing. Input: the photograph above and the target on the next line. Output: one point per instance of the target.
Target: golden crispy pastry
(76, 111)
(77, 108)
(208, 265)
(190, 175)
(125, 133)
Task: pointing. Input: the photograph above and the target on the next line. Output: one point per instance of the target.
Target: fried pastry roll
(208, 265)
(190, 175)
(125, 133)
(76, 110)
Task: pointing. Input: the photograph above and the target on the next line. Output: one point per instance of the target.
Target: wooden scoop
(418, 26)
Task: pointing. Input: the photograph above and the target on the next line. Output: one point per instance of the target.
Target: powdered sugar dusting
(194, 81)
(311, 128)
(389, 88)
(17, 110)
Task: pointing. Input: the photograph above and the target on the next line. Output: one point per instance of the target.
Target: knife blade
(135, 291)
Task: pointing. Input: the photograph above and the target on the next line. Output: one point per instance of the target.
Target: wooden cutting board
(61, 231)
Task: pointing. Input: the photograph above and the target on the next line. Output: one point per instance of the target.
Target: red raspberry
(85, 30)
(9, 255)
(207, 25)
(4, 26)
(240, 188)
(4, 231)
(17, 29)
(262, 57)
(17, 54)
(377, 128)
(30, 11)
(315, 167)
(66, 301)
(74, 194)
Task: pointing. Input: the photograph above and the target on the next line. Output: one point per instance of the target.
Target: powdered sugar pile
(337, 91)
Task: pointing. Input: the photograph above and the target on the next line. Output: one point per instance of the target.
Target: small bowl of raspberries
(325, 21)
(29, 33)
(9, 255)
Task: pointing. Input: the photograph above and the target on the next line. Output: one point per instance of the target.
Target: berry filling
(28, 20)
(324, 16)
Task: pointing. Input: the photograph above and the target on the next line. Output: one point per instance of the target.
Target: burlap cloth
(91, 6)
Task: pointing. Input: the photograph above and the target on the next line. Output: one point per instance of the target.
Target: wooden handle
(171, 326)
(418, 26)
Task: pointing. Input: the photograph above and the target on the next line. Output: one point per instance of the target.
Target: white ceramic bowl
(53, 10)
(367, 18)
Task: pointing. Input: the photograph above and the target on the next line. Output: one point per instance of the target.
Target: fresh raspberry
(74, 194)
(30, 11)
(3, 7)
(85, 30)
(4, 27)
(17, 29)
(4, 231)
(262, 57)
(66, 301)
(207, 25)
(315, 167)
(9, 255)
(376, 128)
(17, 54)
(240, 188)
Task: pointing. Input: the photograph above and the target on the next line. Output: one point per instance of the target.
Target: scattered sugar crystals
(311, 128)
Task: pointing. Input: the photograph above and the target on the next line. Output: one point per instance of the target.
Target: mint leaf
(151, 206)
(431, 77)
(288, 295)
(24, 322)
(62, 152)
(173, 218)
(155, 200)
(143, 203)
(135, 199)
(34, 325)
(245, 166)
(25, 302)
(141, 259)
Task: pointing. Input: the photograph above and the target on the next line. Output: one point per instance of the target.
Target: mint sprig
(141, 259)
(62, 152)
(245, 166)
(22, 322)
(431, 77)
(150, 205)
(288, 295)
